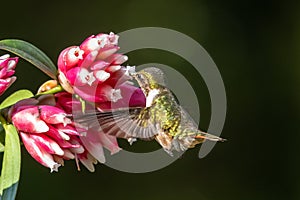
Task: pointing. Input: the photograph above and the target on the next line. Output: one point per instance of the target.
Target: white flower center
(113, 39)
(76, 53)
(115, 95)
(102, 40)
(86, 76)
(94, 44)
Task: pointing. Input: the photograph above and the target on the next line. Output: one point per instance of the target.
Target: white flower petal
(86, 76)
(130, 70)
(115, 95)
(102, 75)
(5, 56)
(89, 162)
(55, 167)
(95, 149)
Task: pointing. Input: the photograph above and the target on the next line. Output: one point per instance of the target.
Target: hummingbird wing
(189, 127)
(122, 123)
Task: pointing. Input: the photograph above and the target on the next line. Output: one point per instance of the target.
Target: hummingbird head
(149, 78)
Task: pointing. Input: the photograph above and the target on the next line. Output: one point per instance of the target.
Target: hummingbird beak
(133, 74)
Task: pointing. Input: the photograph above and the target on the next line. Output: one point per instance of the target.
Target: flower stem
(51, 91)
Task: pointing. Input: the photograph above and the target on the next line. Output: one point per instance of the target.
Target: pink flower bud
(73, 56)
(38, 153)
(70, 57)
(68, 129)
(47, 144)
(28, 120)
(106, 52)
(47, 133)
(53, 115)
(117, 59)
(91, 44)
(7, 69)
(99, 65)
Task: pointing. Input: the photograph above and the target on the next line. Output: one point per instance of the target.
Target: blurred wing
(187, 120)
(122, 123)
(190, 126)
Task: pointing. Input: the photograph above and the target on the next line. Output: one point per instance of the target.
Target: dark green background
(255, 45)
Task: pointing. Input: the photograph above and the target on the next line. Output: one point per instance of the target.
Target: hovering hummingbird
(162, 119)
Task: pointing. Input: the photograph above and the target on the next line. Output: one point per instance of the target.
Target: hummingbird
(162, 119)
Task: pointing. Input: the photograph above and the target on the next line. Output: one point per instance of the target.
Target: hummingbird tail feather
(207, 136)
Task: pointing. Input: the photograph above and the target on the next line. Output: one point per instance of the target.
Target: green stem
(51, 91)
(83, 102)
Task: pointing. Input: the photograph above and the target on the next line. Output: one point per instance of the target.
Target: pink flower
(7, 66)
(131, 97)
(49, 135)
(93, 70)
(92, 140)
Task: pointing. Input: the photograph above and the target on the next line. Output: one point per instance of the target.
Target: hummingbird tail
(207, 136)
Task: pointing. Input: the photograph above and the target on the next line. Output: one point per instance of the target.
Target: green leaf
(10, 193)
(2, 138)
(30, 53)
(11, 164)
(1, 147)
(15, 97)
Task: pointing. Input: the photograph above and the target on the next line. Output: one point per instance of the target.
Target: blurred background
(255, 45)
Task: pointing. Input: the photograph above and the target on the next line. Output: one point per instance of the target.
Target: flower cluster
(92, 139)
(7, 69)
(50, 135)
(47, 133)
(92, 71)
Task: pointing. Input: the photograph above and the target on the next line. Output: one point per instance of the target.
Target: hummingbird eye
(139, 76)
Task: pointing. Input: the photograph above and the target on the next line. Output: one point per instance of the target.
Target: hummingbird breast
(166, 111)
(176, 130)
(152, 94)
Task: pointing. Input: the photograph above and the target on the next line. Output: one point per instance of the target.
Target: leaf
(1, 147)
(15, 97)
(11, 164)
(2, 138)
(30, 53)
(10, 193)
